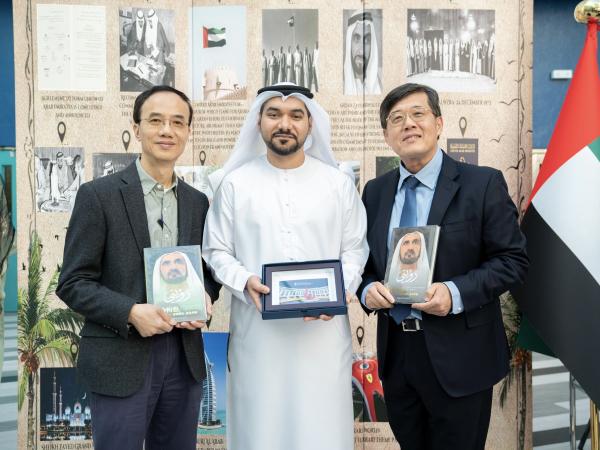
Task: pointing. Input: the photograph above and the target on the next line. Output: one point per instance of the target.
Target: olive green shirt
(161, 209)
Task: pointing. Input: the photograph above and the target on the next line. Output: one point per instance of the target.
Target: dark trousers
(163, 413)
(422, 415)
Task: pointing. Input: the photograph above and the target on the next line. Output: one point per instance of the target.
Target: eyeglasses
(156, 122)
(416, 114)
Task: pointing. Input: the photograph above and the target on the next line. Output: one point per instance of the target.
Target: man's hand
(438, 300)
(321, 317)
(150, 319)
(379, 297)
(196, 324)
(255, 290)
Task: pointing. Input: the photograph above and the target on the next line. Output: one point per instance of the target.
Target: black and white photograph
(290, 47)
(59, 171)
(108, 163)
(451, 50)
(303, 286)
(362, 51)
(410, 266)
(174, 281)
(197, 177)
(147, 48)
(218, 52)
(65, 406)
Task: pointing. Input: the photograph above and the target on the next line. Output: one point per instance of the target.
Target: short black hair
(397, 94)
(141, 99)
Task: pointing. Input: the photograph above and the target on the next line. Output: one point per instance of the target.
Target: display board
(79, 67)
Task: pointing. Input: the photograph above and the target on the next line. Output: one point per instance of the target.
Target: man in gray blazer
(144, 370)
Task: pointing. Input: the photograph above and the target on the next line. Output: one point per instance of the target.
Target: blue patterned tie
(407, 219)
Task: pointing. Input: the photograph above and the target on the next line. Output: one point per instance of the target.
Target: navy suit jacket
(481, 249)
(102, 277)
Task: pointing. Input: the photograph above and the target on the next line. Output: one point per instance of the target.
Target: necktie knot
(411, 182)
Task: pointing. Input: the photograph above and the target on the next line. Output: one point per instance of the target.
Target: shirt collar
(428, 175)
(149, 183)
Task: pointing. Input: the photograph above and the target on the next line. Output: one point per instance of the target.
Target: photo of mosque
(65, 413)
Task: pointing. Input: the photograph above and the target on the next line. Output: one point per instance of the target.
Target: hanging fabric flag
(561, 296)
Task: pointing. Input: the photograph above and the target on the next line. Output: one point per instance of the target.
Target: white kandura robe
(289, 384)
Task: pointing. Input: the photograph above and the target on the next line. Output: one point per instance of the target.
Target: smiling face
(284, 125)
(415, 142)
(173, 268)
(163, 129)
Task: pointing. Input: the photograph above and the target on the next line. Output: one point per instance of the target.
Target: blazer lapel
(184, 217)
(133, 197)
(445, 190)
(381, 226)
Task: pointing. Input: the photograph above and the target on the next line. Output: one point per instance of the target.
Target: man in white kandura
(282, 199)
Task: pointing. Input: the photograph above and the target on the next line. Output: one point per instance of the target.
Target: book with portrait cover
(410, 266)
(174, 281)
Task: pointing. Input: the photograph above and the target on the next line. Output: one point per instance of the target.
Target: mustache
(283, 134)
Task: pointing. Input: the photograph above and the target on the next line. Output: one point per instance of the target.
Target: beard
(359, 65)
(281, 150)
(409, 257)
(174, 277)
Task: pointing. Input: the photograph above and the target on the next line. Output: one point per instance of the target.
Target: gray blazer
(102, 277)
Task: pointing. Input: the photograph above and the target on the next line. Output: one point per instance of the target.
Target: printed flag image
(218, 53)
(214, 37)
(561, 295)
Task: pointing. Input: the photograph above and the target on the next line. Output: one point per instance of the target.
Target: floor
(551, 405)
(8, 386)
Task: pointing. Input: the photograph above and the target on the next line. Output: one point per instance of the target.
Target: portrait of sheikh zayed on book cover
(174, 281)
(410, 266)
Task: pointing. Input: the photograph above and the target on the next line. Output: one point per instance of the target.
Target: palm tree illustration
(46, 335)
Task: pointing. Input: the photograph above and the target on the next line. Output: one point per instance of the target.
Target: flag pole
(594, 426)
(587, 12)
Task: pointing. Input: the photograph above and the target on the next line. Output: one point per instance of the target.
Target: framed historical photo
(303, 289)
(174, 281)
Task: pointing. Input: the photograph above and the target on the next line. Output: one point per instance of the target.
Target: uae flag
(213, 37)
(561, 297)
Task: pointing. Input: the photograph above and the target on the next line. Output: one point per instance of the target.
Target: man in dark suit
(144, 370)
(440, 359)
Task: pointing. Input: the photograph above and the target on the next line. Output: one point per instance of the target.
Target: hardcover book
(410, 266)
(174, 281)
